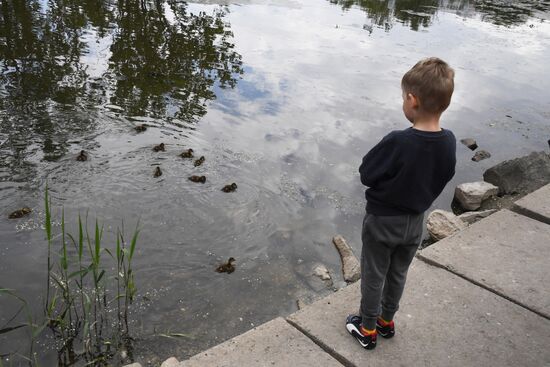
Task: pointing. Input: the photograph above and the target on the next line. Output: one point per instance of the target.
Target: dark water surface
(282, 97)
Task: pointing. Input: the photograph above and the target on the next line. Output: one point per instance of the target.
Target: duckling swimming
(140, 128)
(199, 161)
(187, 154)
(158, 172)
(201, 179)
(82, 156)
(230, 188)
(20, 213)
(159, 148)
(226, 267)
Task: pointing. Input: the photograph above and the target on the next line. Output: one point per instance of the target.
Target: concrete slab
(536, 205)
(275, 343)
(505, 252)
(444, 321)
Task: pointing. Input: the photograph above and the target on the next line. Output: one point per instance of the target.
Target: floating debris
(230, 188)
(226, 267)
(159, 148)
(199, 161)
(158, 172)
(140, 128)
(82, 157)
(470, 143)
(187, 154)
(481, 155)
(201, 179)
(20, 213)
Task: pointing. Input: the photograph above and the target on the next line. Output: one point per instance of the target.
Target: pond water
(282, 97)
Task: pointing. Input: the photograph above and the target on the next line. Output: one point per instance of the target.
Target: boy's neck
(427, 123)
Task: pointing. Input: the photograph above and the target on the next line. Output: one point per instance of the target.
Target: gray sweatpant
(389, 245)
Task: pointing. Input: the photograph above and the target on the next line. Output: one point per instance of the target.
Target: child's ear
(414, 100)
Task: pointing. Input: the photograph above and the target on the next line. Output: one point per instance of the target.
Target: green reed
(87, 299)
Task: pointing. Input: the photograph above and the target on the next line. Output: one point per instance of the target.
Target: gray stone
(350, 264)
(520, 175)
(472, 217)
(506, 252)
(322, 272)
(133, 365)
(443, 320)
(471, 194)
(470, 143)
(536, 205)
(275, 343)
(481, 155)
(170, 362)
(441, 224)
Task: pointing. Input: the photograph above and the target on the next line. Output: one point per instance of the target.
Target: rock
(170, 362)
(300, 304)
(521, 175)
(470, 143)
(471, 194)
(481, 155)
(133, 365)
(443, 224)
(350, 264)
(472, 217)
(322, 272)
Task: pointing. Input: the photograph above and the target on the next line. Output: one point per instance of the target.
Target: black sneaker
(386, 330)
(353, 325)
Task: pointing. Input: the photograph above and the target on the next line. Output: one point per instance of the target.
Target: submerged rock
(471, 194)
(157, 172)
(442, 224)
(350, 264)
(470, 143)
(472, 217)
(322, 272)
(481, 155)
(521, 175)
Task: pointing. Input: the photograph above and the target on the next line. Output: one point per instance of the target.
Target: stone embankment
(479, 296)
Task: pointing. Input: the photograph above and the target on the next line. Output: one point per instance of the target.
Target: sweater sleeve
(379, 161)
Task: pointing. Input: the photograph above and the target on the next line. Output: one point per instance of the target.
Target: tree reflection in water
(59, 60)
(420, 13)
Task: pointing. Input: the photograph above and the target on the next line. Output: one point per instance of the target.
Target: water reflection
(419, 14)
(60, 60)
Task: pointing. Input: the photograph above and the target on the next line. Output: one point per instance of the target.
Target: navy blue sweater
(407, 170)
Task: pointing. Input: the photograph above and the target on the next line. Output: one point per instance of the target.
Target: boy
(404, 174)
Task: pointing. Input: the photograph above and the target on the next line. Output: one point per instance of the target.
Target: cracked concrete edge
(330, 351)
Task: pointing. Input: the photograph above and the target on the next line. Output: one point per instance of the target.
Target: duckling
(140, 128)
(20, 213)
(199, 161)
(187, 154)
(226, 267)
(82, 156)
(230, 188)
(159, 148)
(201, 179)
(158, 172)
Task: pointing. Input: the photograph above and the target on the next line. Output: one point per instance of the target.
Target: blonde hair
(431, 80)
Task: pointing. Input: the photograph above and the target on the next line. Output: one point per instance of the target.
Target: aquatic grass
(82, 294)
(79, 313)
